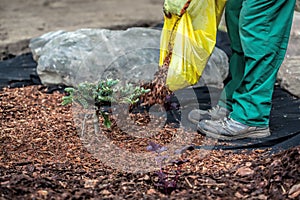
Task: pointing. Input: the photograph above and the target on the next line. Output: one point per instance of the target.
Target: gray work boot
(229, 129)
(217, 112)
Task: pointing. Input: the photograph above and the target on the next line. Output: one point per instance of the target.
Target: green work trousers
(259, 31)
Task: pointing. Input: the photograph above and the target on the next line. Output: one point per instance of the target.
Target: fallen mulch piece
(43, 157)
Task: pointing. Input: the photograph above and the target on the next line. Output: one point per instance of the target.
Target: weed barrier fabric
(18, 72)
(284, 120)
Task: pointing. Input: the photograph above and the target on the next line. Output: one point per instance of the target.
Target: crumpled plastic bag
(188, 41)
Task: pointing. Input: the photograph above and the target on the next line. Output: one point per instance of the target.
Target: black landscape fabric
(18, 72)
(284, 119)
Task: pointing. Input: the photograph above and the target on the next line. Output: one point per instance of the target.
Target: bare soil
(22, 20)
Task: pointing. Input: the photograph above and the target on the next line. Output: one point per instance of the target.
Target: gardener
(259, 32)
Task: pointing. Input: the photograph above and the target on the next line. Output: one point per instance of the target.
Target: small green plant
(101, 94)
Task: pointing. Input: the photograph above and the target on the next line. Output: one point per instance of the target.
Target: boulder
(69, 58)
(297, 6)
(289, 73)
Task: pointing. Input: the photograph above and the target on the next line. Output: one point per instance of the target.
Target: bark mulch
(43, 157)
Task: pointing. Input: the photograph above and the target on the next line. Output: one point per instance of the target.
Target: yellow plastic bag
(190, 40)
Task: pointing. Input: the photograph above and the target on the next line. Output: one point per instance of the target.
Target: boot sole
(251, 134)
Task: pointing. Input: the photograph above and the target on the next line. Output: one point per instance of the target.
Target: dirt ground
(22, 20)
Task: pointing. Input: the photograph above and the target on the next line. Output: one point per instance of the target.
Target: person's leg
(236, 68)
(237, 61)
(264, 32)
(264, 29)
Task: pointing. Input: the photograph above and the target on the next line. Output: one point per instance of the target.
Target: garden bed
(43, 157)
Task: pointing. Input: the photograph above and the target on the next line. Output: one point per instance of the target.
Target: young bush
(102, 94)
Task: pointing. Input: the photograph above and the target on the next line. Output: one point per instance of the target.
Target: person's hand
(177, 7)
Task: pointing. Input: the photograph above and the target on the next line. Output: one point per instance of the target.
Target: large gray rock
(289, 72)
(289, 75)
(216, 70)
(68, 58)
(297, 6)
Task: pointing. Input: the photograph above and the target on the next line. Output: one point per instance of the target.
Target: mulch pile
(43, 157)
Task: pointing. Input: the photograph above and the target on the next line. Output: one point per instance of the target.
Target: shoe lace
(229, 122)
(225, 121)
(215, 108)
